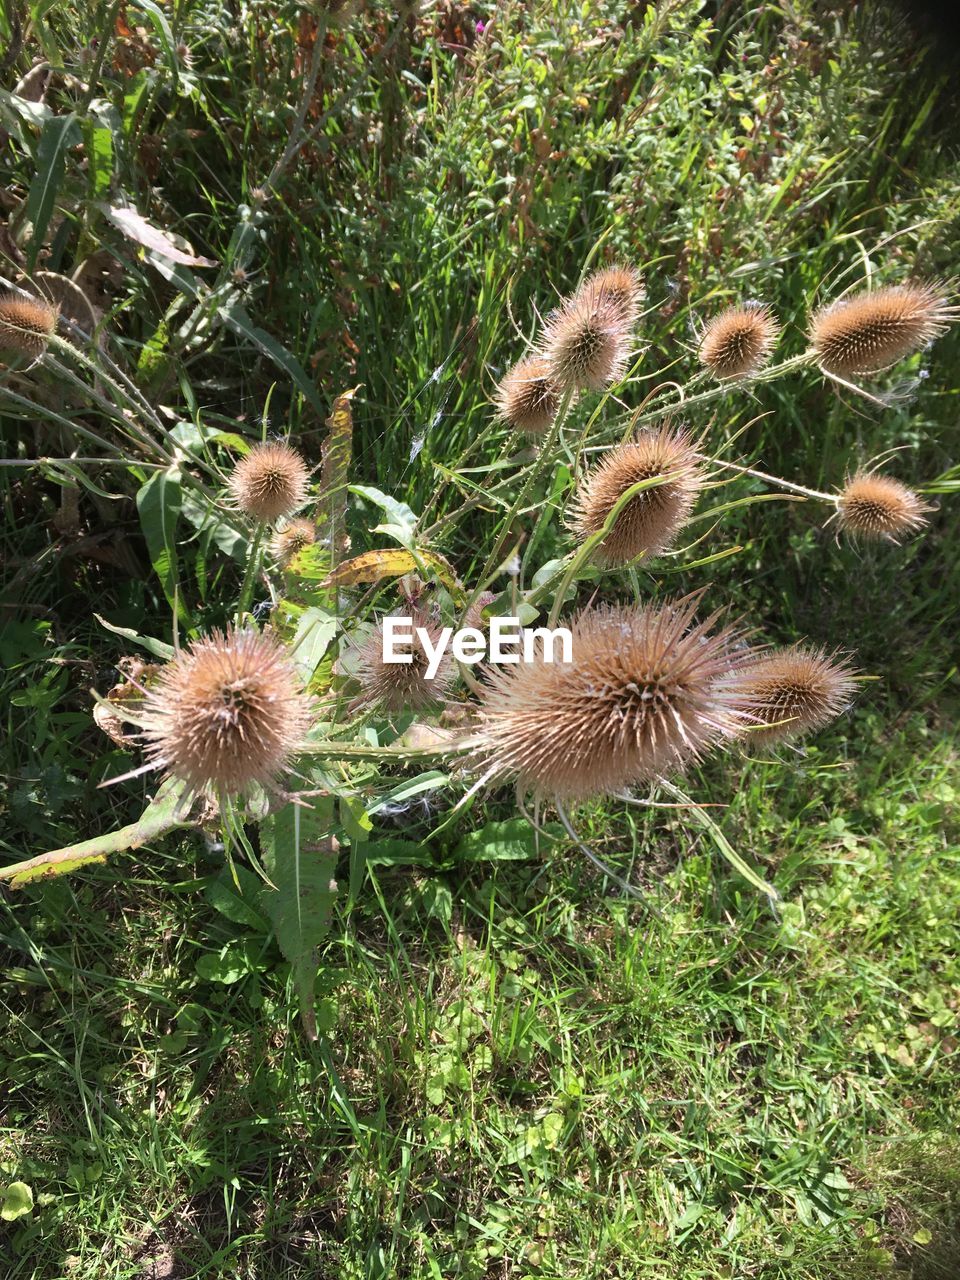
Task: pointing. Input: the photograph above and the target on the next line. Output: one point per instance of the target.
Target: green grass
(520, 1073)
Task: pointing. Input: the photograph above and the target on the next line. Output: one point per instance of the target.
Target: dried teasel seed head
(872, 330)
(26, 324)
(737, 342)
(398, 686)
(792, 692)
(584, 341)
(227, 713)
(878, 507)
(270, 482)
(292, 538)
(619, 286)
(527, 397)
(641, 698)
(649, 521)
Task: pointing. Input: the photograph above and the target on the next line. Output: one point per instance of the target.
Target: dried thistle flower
(737, 342)
(584, 341)
(792, 692)
(874, 329)
(399, 686)
(620, 286)
(527, 397)
(878, 507)
(292, 538)
(652, 518)
(271, 481)
(26, 324)
(641, 698)
(227, 713)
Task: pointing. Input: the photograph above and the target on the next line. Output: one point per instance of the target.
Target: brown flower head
(270, 482)
(652, 518)
(791, 692)
(874, 329)
(878, 507)
(619, 286)
(26, 324)
(640, 699)
(737, 342)
(526, 396)
(584, 341)
(399, 686)
(227, 713)
(292, 538)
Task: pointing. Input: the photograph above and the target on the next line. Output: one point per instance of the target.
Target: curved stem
(775, 480)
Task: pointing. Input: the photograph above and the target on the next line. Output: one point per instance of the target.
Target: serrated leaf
(401, 521)
(59, 133)
(315, 633)
(222, 895)
(136, 228)
(300, 857)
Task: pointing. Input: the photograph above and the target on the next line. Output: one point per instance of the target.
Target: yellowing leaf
(374, 566)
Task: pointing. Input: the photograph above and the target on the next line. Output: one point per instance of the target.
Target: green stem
(250, 573)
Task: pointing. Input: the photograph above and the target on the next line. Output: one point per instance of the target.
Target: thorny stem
(250, 573)
(832, 498)
(360, 751)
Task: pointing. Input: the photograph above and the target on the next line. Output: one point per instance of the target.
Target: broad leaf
(58, 135)
(158, 503)
(401, 521)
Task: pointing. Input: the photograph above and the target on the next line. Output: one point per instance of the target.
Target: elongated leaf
(99, 147)
(512, 840)
(315, 632)
(336, 455)
(231, 541)
(237, 320)
(58, 135)
(401, 521)
(166, 812)
(300, 857)
(135, 227)
(158, 504)
(374, 566)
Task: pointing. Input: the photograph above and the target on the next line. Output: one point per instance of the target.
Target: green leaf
(300, 857)
(226, 966)
(159, 648)
(58, 135)
(238, 908)
(511, 841)
(237, 320)
(401, 521)
(231, 541)
(406, 790)
(99, 148)
(315, 632)
(158, 504)
(17, 1201)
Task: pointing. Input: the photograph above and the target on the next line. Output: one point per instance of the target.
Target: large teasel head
(270, 482)
(26, 324)
(737, 342)
(585, 341)
(879, 508)
(790, 693)
(648, 522)
(872, 330)
(403, 686)
(641, 699)
(619, 287)
(227, 713)
(527, 396)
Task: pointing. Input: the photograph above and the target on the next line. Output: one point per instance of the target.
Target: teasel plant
(285, 719)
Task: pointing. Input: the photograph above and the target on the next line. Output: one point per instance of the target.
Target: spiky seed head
(878, 507)
(26, 324)
(620, 286)
(227, 713)
(527, 397)
(872, 330)
(584, 341)
(652, 518)
(270, 482)
(292, 538)
(792, 692)
(737, 342)
(397, 686)
(640, 699)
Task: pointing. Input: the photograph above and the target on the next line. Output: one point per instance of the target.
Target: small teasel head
(291, 539)
(227, 713)
(879, 508)
(270, 482)
(619, 286)
(404, 686)
(737, 342)
(26, 324)
(527, 396)
(641, 698)
(649, 521)
(789, 693)
(872, 330)
(585, 341)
